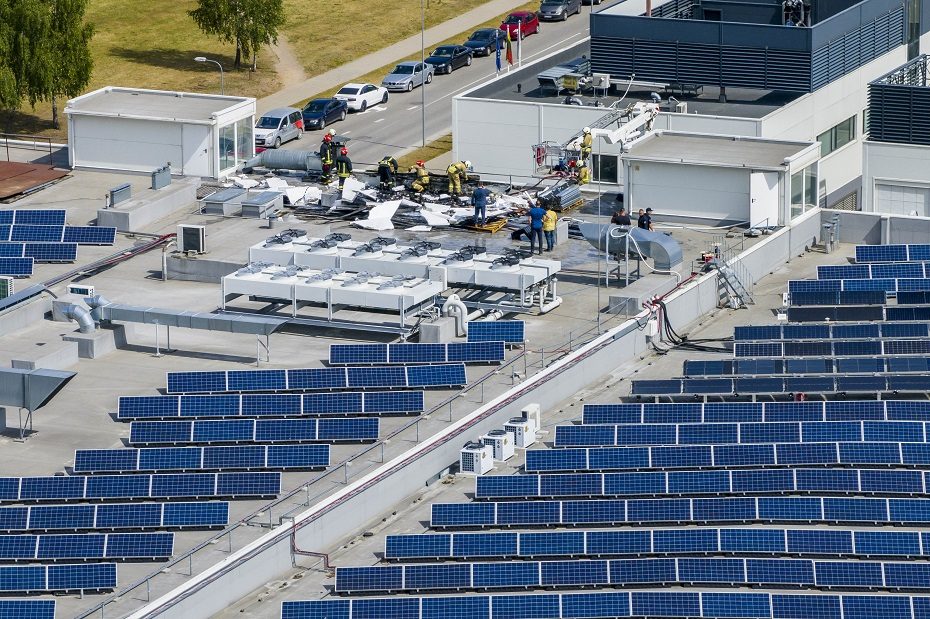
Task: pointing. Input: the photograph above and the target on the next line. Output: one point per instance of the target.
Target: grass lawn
(138, 44)
(377, 74)
(430, 151)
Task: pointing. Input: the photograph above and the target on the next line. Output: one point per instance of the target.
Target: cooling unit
(82, 290)
(501, 442)
(192, 239)
(523, 431)
(476, 459)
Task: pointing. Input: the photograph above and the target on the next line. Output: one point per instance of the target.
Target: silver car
(278, 126)
(408, 75)
(559, 9)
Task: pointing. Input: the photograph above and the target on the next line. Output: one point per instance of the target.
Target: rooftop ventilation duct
(663, 249)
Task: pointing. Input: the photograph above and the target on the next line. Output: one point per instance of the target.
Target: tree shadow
(175, 58)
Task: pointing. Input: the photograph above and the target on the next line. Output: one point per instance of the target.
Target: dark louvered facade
(676, 45)
(899, 105)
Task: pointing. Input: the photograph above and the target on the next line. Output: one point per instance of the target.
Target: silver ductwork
(277, 159)
(81, 316)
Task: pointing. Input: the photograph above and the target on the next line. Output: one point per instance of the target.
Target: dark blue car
(320, 112)
(484, 42)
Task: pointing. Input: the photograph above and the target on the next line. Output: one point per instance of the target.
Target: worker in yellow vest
(458, 173)
(587, 143)
(421, 182)
(584, 175)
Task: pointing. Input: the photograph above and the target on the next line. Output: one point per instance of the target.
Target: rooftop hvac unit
(192, 239)
(6, 287)
(82, 290)
(523, 430)
(501, 441)
(681, 107)
(533, 414)
(476, 459)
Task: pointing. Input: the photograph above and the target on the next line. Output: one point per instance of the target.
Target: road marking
(345, 132)
(379, 120)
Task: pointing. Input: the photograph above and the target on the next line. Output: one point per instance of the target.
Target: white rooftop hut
(140, 130)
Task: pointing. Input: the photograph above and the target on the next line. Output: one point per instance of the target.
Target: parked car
(359, 96)
(448, 58)
(278, 126)
(527, 22)
(320, 112)
(483, 42)
(408, 75)
(559, 9)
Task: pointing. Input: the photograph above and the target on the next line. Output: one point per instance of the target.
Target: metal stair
(733, 285)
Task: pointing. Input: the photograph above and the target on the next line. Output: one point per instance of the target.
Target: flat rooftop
(522, 85)
(153, 104)
(728, 151)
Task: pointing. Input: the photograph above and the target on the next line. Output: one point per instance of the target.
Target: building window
(245, 143)
(804, 190)
(913, 29)
(227, 144)
(837, 137)
(605, 168)
(865, 123)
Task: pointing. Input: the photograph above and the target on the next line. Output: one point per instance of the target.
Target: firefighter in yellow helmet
(327, 157)
(457, 175)
(587, 143)
(584, 175)
(421, 182)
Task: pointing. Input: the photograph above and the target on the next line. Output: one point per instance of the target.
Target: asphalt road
(397, 125)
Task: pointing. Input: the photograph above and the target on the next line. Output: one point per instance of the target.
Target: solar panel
(12, 250)
(89, 235)
(452, 374)
(16, 267)
(51, 252)
(201, 458)
(881, 253)
(27, 609)
(26, 233)
(509, 331)
(123, 546)
(70, 577)
(37, 217)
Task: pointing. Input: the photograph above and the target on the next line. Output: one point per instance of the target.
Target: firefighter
(327, 157)
(387, 168)
(343, 166)
(457, 175)
(587, 141)
(421, 182)
(584, 175)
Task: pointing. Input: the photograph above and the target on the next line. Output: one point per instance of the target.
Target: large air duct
(81, 316)
(663, 249)
(277, 159)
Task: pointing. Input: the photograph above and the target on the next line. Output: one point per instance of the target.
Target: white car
(359, 96)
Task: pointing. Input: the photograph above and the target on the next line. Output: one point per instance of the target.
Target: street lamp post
(222, 73)
(423, 63)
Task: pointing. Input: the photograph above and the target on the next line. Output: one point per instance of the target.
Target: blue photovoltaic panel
(89, 235)
(27, 609)
(317, 378)
(814, 285)
(510, 331)
(12, 250)
(6, 217)
(452, 374)
(51, 252)
(417, 353)
(881, 253)
(365, 377)
(196, 382)
(393, 401)
(845, 271)
(48, 234)
(256, 380)
(475, 352)
(37, 217)
(91, 576)
(349, 354)
(16, 267)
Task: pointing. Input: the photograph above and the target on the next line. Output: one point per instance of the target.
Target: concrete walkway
(411, 45)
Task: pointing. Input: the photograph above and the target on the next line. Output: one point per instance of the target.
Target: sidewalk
(401, 49)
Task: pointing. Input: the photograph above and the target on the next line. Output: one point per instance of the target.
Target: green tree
(70, 47)
(249, 24)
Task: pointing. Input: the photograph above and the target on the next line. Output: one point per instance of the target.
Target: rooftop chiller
(501, 442)
(476, 459)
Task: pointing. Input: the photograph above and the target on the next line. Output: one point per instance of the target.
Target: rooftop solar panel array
(381, 354)
(848, 297)
(16, 267)
(509, 331)
(778, 385)
(811, 542)
(27, 609)
(352, 377)
(40, 252)
(656, 572)
(748, 412)
(245, 457)
(170, 486)
(830, 348)
(68, 577)
(607, 605)
(114, 517)
(40, 217)
(806, 365)
(842, 481)
(90, 546)
(736, 433)
(832, 331)
(889, 285)
(269, 405)
(893, 270)
(350, 429)
(742, 455)
(892, 253)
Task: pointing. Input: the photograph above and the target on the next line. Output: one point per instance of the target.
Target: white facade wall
(899, 165)
(711, 193)
(127, 143)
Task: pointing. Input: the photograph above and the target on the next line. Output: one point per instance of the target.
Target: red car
(527, 22)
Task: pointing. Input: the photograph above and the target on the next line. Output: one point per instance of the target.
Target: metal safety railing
(32, 142)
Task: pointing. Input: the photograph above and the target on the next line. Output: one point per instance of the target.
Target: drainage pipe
(455, 308)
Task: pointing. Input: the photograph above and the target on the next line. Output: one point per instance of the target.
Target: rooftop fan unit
(505, 263)
(396, 282)
(384, 241)
(252, 268)
(519, 254)
(428, 246)
(502, 443)
(284, 237)
(523, 430)
(324, 276)
(290, 271)
(192, 239)
(460, 258)
(414, 254)
(475, 250)
(476, 459)
(368, 249)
